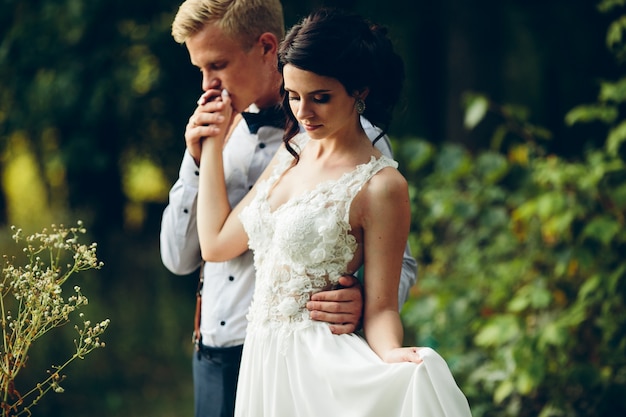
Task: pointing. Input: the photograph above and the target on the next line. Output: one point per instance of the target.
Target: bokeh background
(518, 203)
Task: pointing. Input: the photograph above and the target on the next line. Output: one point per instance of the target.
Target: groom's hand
(342, 308)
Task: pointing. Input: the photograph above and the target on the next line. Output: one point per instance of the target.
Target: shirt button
(249, 187)
(197, 173)
(231, 278)
(222, 323)
(261, 145)
(185, 211)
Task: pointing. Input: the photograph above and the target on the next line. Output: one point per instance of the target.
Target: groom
(234, 44)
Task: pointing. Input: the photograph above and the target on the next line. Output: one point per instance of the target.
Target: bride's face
(320, 104)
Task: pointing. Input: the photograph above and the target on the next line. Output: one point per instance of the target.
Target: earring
(359, 106)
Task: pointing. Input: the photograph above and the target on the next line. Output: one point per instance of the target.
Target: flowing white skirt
(312, 373)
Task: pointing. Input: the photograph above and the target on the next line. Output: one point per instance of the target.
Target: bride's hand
(224, 114)
(404, 354)
(212, 118)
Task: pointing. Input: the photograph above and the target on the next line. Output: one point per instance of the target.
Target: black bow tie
(273, 116)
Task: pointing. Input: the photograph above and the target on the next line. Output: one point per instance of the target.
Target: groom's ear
(269, 43)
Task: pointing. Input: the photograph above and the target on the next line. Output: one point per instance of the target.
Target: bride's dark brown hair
(350, 49)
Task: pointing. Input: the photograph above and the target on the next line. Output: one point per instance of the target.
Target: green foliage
(522, 269)
(523, 279)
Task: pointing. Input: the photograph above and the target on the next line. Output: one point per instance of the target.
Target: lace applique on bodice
(302, 247)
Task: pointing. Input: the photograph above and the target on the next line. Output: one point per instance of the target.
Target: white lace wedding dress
(293, 366)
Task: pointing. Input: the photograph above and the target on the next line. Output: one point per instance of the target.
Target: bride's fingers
(414, 355)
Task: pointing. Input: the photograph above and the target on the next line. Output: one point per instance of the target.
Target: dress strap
(361, 176)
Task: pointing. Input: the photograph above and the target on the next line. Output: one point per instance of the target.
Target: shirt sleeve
(179, 242)
(408, 276)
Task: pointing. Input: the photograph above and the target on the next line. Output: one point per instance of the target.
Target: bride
(329, 204)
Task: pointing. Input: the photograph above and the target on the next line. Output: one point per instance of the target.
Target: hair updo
(355, 52)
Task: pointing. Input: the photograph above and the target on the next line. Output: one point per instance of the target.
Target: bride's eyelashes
(319, 98)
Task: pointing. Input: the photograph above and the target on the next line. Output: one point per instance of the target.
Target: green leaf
(550, 204)
(475, 110)
(516, 112)
(558, 225)
(615, 279)
(498, 331)
(519, 303)
(498, 136)
(613, 91)
(607, 5)
(417, 153)
(553, 334)
(494, 217)
(453, 161)
(602, 229)
(503, 391)
(492, 167)
(590, 113)
(464, 210)
(530, 296)
(589, 287)
(618, 195)
(525, 382)
(551, 410)
(539, 132)
(617, 135)
(540, 297)
(614, 32)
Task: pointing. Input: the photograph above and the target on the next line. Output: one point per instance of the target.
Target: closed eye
(317, 98)
(218, 66)
(321, 98)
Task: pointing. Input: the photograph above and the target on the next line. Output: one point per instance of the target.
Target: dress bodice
(304, 245)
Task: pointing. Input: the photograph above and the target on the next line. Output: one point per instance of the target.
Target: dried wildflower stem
(35, 294)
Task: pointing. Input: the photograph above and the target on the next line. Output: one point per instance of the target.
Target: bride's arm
(385, 218)
(222, 236)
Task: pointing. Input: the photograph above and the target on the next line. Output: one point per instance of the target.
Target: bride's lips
(310, 128)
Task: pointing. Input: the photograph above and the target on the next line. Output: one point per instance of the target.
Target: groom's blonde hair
(244, 20)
